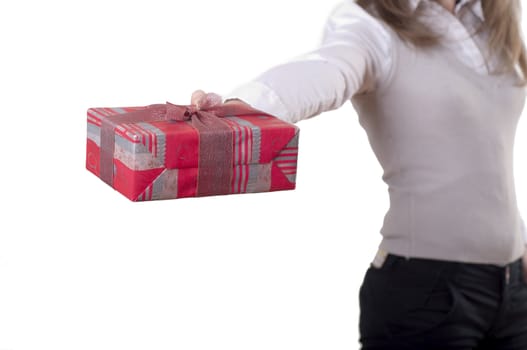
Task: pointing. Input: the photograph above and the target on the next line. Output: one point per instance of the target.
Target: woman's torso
(444, 135)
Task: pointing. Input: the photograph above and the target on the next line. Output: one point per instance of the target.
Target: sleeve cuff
(261, 97)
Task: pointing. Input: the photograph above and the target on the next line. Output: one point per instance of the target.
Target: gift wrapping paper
(168, 151)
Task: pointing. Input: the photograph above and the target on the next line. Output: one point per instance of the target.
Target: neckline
(464, 39)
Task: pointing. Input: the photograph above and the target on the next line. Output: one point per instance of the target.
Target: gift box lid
(176, 144)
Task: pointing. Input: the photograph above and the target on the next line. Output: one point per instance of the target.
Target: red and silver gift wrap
(166, 151)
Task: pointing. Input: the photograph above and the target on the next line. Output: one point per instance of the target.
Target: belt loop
(507, 273)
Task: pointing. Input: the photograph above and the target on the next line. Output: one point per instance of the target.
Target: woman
(439, 86)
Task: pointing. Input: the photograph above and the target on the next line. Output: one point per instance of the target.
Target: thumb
(196, 97)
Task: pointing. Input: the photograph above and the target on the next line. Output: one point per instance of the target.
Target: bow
(173, 112)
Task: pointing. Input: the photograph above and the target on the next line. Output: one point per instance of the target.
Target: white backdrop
(81, 267)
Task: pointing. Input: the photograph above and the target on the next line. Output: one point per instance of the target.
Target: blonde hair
(502, 20)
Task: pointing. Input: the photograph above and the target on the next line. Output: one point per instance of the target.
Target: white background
(81, 267)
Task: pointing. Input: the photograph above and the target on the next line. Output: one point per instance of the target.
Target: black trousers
(427, 304)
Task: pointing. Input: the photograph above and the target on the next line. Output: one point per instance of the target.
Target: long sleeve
(355, 53)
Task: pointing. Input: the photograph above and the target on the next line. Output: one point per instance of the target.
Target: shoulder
(351, 24)
(348, 15)
(351, 6)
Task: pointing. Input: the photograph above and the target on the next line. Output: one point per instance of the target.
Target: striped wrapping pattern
(160, 159)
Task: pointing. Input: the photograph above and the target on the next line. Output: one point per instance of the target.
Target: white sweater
(440, 125)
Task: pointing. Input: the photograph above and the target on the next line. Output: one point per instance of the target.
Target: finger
(196, 97)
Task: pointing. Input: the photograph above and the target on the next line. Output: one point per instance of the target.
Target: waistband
(511, 272)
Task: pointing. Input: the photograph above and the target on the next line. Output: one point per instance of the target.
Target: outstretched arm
(352, 57)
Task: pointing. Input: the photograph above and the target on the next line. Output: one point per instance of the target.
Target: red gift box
(168, 151)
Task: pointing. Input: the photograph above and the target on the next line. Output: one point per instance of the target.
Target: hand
(206, 100)
(524, 262)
